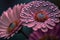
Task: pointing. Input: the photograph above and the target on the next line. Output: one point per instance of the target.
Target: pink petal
(49, 26)
(19, 8)
(50, 22)
(44, 30)
(15, 12)
(5, 19)
(23, 15)
(38, 25)
(30, 24)
(6, 14)
(30, 20)
(43, 25)
(3, 35)
(27, 14)
(2, 23)
(55, 20)
(24, 20)
(10, 14)
(35, 29)
(33, 36)
(3, 29)
(37, 35)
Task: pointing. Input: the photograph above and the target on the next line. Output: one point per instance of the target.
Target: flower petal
(44, 29)
(30, 24)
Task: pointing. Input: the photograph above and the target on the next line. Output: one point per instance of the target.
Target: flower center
(40, 16)
(12, 26)
(49, 38)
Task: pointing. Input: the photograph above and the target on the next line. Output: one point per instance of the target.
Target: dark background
(5, 4)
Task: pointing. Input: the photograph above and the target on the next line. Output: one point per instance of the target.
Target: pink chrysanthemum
(50, 35)
(10, 21)
(40, 15)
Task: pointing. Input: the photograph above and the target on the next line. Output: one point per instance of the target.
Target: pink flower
(40, 15)
(10, 21)
(53, 34)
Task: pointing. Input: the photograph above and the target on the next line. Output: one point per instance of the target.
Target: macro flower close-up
(30, 20)
(40, 14)
(50, 35)
(10, 21)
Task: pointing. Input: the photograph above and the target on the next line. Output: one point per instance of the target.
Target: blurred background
(5, 4)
